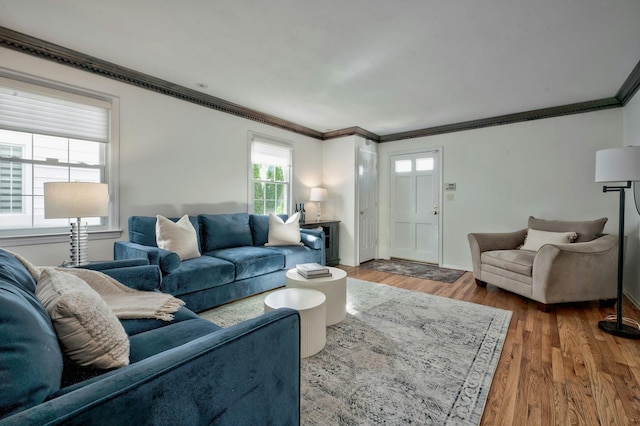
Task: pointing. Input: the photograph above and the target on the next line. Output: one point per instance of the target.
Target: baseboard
(633, 300)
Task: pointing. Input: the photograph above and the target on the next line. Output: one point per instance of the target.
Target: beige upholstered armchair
(549, 262)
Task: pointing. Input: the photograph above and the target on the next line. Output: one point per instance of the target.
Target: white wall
(632, 219)
(544, 168)
(338, 176)
(175, 157)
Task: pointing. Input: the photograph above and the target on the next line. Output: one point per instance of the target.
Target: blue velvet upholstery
(295, 255)
(250, 261)
(140, 325)
(244, 266)
(187, 371)
(30, 357)
(197, 274)
(142, 229)
(225, 231)
(152, 342)
(312, 238)
(168, 261)
(260, 227)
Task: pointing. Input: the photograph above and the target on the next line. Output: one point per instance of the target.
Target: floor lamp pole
(618, 328)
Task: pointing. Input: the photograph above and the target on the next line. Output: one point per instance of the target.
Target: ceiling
(385, 66)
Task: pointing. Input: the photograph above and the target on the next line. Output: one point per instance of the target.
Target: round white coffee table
(311, 306)
(333, 287)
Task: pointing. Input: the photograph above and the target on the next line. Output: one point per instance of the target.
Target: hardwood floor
(556, 368)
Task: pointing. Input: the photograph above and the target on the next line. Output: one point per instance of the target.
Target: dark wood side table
(331, 230)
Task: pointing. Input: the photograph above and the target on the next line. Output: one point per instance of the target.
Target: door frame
(438, 151)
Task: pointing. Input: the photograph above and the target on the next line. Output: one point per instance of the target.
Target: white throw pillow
(284, 233)
(536, 239)
(89, 332)
(179, 237)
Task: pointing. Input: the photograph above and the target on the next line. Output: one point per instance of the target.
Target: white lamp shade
(618, 164)
(75, 199)
(318, 194)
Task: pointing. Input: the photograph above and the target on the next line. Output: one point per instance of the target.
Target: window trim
(111, 228)
(267, 139)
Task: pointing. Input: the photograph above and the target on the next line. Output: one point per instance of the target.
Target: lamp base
(625, 330)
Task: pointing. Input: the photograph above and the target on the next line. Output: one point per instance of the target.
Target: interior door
(414, 210)
(367, 205)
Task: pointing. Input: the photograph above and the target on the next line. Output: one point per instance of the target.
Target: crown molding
(359, 131)
(537, 114)
(30, 45)
(53, 52)
(630, 86)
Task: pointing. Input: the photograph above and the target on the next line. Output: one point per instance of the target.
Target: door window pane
(403, 166)
(424, 164)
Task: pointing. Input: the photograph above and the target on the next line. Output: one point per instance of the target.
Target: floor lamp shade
(619, 165)
(76, 199)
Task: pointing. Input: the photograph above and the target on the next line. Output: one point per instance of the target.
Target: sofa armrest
(167, 260)
(588, 271)
(245, 374)
(481, 242)
(134, 273)
(143, 278)
(312, 238)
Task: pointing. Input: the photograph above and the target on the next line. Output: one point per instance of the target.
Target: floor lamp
(76, 199)
(619, 165)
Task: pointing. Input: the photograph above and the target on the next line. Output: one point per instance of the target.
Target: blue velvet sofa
(235, 262)
(188, 371)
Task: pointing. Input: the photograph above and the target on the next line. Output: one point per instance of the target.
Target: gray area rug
(414, 269)
(400, 357)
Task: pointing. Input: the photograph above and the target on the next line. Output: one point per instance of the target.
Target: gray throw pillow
(587, 230)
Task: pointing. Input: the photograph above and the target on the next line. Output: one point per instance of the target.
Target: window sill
(63, 237)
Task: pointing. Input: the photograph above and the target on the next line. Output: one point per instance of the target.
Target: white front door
(414, 210)
(367, 205)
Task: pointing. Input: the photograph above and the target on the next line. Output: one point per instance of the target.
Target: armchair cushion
(518, 261)
(587, 230)
(536, 239)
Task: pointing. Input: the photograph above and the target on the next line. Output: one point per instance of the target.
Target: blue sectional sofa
(187, 371)
(235, 262)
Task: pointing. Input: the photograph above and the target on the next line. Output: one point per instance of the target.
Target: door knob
(435, 209)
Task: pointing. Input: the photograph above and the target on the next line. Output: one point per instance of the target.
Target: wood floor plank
(556, 368)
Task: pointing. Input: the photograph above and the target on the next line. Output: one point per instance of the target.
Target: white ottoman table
(312, 309)
(333, 287)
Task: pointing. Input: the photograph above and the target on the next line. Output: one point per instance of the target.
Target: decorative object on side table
(76, 200)
(318, 195)
(619, 165)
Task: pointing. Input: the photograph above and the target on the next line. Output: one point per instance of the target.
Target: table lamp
(318, 195)
(76, 199)
(619, 165)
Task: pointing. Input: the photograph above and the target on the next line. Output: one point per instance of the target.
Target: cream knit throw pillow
(89, 332)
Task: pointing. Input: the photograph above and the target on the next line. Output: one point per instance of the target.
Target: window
(270, 181)
(47, 135)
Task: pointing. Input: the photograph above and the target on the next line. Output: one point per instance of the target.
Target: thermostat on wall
(449, 186)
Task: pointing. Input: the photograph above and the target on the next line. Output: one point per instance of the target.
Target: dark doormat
(414, 269)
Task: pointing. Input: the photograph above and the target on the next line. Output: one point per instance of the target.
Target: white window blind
(270, 154)
(29, 111)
